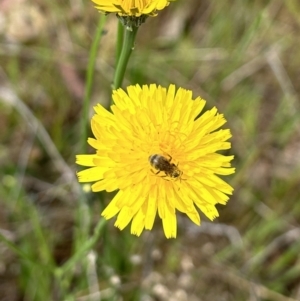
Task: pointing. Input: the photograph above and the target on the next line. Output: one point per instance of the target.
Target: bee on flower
(162, 164)
(161, 155)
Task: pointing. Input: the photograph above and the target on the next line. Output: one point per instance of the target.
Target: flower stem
(89, 83)
(128, 46)
(83, 249)
(120, 38)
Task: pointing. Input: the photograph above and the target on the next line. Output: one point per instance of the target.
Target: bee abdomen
(154, 159)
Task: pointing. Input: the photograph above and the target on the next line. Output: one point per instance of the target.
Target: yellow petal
(85, 160)
(91, 174)
(170, 223)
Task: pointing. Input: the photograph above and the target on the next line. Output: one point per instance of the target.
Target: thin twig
(10, 98)
(286, 238)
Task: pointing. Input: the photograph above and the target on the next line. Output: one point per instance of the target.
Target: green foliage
(241, 56)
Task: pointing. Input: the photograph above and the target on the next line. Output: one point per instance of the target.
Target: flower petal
(91, 174)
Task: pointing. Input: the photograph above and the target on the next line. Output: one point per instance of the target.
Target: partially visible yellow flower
(134, 8)
(161, 155)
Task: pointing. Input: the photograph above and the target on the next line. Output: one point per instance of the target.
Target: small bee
(161, 163)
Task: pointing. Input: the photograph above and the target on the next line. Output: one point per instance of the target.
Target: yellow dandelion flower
(132, 8)
(161, 154)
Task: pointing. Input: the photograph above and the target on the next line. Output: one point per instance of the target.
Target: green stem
(17, 250)
(89, 83)
(120, 38)
(81, 252)
(128, 46)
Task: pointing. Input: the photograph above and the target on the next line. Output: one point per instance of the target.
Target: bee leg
(164, 178)
(170, 158)
(156, 173)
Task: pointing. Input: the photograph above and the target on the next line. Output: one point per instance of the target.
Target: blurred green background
(242, 56)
